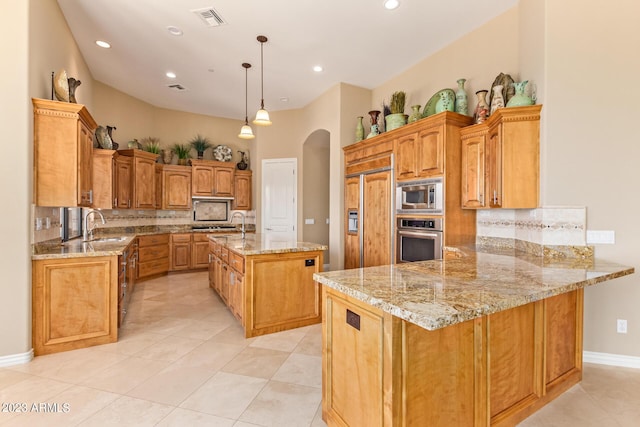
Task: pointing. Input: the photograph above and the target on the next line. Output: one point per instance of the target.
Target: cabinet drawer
(224, 254)
(200, 237)
(181, 238)
(149, 268)
(150, 253)
(156, 239)
(236, 261)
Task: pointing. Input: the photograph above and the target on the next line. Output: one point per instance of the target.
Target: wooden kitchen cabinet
(63, 145)
(104, 178)
(501, 160)
(352, 204)
(127, 276)
(143, 178)
(242, 190)
(159, 186)
(180, 251)
(212, 178)
(420, 154)
(176, 187)
(199, 250)
(153, 255)
(75, 303)
(123, 182)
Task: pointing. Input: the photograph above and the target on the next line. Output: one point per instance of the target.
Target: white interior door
(279, 203)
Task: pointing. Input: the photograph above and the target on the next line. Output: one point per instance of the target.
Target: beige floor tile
(184, 417)
(9, 377)
(256, 362)
(243, 424)
(210, 356)
(172, 385)
(283, 405)
(283, 341)
(125, 375)
(225, 395)
(127, 411)
(301, 369)
(130, 343)
(574, 408)
(310, 344)
(317, 419)
(68, 408)
(166, 325)
(169, 349)
(234, 334)
(202, 330)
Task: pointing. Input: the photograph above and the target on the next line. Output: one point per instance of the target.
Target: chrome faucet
(241, 216)
(87, 234)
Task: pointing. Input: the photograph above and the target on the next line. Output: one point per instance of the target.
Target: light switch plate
(309, 221)
(601, 236)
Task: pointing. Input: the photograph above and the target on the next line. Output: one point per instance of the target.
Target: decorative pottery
(506, 82)
(520, 99)
(430, 106)
(415, 114)
(110, 130)
(497, 101)
(102, 136)
(243, 164)
(61, 86)
(359, 129)
(183, 162)
(394, 121)
(222, 153)
(73, 85)
(167, 156)
(200, 155)
(374, 123)
(447, 101)
(462, 105)
(482, 109)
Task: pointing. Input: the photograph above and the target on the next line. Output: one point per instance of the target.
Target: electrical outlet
(601, 236)
(47, 223)
(309, 221)
(622, 326)
(38, 223)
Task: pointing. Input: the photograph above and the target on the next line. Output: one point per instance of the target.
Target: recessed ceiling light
(174, 31)
(171, 74)
(317, 68)
(103, 44)
(284, 99)
(391, 4)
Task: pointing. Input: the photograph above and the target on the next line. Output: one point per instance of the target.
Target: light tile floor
(182, 360)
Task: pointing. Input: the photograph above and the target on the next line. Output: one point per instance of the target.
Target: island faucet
(241, 216)
(87, 234)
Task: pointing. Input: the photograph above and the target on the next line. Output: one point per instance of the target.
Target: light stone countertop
(259, 244)
(436, 294)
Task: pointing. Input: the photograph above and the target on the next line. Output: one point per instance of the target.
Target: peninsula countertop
(260, 244)
(436, 294)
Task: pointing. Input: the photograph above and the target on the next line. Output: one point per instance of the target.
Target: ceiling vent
(177, 87)
(210, 16)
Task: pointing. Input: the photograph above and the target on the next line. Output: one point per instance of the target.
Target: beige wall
(315, 179)
(592, 153)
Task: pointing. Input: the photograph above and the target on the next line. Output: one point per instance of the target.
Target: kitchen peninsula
(267, 282)
(485, 338)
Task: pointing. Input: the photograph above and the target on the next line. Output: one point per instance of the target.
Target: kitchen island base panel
(491, 371)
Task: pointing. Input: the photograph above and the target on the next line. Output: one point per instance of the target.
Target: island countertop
(260, 244)
(436, 294)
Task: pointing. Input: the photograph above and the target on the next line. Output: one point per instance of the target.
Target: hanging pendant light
(246, 132)
(262, 116)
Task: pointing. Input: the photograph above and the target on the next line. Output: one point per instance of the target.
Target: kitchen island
(267, 283)
(486, 338)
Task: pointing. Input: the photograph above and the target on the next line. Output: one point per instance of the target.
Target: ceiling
(355, 41)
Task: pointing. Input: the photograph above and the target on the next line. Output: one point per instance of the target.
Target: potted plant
(200, 144)
(151, 144)
(183, 151)
(397, 117)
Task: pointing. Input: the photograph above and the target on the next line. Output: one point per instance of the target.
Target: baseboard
(611, 359)
(16, 359)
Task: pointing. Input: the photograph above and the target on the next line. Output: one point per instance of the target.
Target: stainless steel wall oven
(419, 239)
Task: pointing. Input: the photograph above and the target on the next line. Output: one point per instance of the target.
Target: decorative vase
(374, 123)
(496, 100)
(167, 156)
(394, 121)
(359, 129)
(520, 99)
(482, 109)
(242, 165)
(415, 114)
(182, 162)
(446, 101)
(462, 106)
(200, 155)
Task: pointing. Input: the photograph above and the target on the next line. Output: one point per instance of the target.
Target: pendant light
(246, 132)
(262, 116)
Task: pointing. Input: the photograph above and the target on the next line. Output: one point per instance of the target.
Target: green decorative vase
(462, 105)
(359, 130)
(520, 99)
(394, 121)
(415, 114)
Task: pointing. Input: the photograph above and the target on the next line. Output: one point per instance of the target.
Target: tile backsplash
(546, 226)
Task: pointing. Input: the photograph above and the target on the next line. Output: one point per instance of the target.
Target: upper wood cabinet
(501, 160)
(144, 178)
(159, 186)
(104, 177)
(421, 154)
(176, 187)
(123, 178)
(211, 178)
(242, 190)
(63, 146)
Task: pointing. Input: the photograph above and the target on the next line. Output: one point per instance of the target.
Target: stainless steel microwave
(420, 197)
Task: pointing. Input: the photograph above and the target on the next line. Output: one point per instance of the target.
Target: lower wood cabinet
(75, 303)
(180, 251)
(199, 250)
(153, 255)
(492, 371)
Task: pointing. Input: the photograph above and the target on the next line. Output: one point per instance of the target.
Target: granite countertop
(480, 281)
(259, 244)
